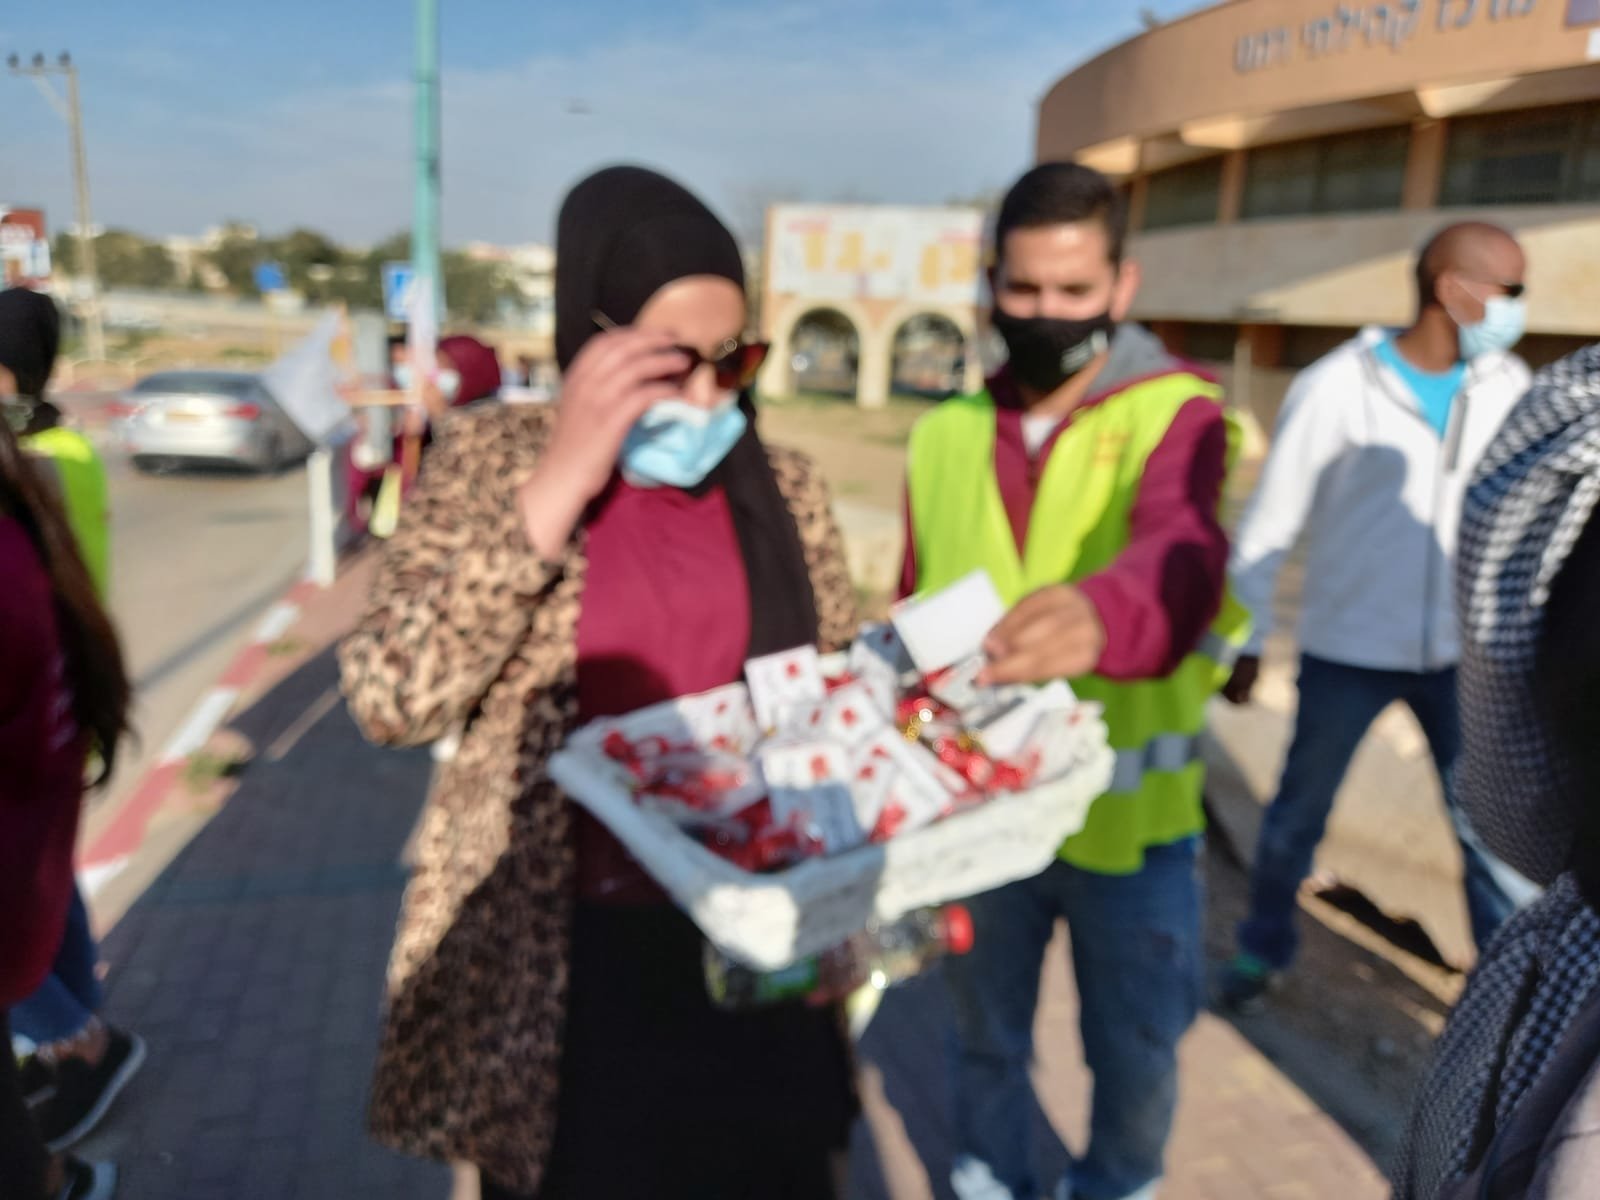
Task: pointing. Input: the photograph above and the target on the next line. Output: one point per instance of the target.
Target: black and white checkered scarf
(1531, 497)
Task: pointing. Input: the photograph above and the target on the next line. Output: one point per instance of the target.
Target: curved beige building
(1285, 158)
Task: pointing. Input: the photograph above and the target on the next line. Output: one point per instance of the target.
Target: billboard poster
(877, 252)
(24, 248)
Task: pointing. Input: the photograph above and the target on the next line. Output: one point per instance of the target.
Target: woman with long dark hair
(64, 694)
(548, 1020)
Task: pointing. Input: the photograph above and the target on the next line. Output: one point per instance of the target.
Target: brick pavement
(254, 967)
(1244, 1131)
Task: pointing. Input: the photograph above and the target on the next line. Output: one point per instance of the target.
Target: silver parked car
(207, 418)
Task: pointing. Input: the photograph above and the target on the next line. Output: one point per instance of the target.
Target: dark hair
(1566, 681)
(1063, 193)
(101, 693)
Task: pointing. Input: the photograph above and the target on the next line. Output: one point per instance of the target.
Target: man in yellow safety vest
(1086, 479)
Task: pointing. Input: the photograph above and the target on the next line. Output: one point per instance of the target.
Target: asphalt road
(196, 560)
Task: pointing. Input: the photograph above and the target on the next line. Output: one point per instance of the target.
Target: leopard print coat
(466, 625)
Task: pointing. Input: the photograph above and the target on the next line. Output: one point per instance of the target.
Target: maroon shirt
(665, 613)
(1160, 595)
(42, 752)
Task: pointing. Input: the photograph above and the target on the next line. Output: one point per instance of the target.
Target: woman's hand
(616, 377)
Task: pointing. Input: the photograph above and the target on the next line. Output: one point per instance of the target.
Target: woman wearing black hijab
(547, 1019)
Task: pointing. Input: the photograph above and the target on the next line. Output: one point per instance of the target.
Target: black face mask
(1048, 351)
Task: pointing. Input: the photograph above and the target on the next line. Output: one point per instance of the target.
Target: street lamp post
(425, 260)
(71, 110)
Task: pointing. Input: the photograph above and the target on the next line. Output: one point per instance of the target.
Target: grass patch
(204, 770)
(285, 647)
(131, 341)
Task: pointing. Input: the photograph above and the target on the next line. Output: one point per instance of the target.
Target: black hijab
(625, 233)
(30, 335)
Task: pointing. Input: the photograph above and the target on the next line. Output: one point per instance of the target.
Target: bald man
(1369, 461)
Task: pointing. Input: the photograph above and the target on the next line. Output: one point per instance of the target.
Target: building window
(1538, 156)
(1350, 172)
(1186, 195)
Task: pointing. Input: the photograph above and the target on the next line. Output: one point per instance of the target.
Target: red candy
(762, 845)
(699, 784)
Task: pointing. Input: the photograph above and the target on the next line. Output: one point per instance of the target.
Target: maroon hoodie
(42, 752)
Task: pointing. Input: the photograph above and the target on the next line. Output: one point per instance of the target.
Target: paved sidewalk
(253, 964)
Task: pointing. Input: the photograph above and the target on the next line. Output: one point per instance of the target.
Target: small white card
(879, 645)
(976, 704)
(801, 761)
(1006, 732)
(854, 713)
(809, 782)
(721, 719)
(1056, 743)
(947, 626)
(826, 812)
(892, 772)
(779, 681)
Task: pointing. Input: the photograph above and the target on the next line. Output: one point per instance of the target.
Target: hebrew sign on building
(927, 256)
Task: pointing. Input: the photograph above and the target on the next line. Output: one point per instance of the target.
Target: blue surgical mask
(1504, 319)
(676, 444)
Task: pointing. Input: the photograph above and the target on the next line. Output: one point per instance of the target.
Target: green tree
(122, 258)
(306, 255)
(474, 290)
(394, 248)
(237, 255)
(64, 253)
(125, 259)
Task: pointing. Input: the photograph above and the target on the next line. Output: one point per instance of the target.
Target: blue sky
(298, 112)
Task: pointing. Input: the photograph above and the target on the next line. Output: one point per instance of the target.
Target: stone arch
(928, 352)
(779, 377)
(962, 318)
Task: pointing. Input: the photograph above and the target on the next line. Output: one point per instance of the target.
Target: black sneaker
(84, 1093)
(38, 1080)
(88, 1181)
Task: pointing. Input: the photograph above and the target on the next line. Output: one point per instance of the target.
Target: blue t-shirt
(1435, 391)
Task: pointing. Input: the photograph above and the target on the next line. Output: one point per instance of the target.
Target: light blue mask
(676, 444)
(1504, 319)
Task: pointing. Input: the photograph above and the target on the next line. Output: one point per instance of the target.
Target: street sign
(399, 284)
(271, 277)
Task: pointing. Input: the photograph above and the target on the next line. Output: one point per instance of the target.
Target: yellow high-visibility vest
(1079, 526)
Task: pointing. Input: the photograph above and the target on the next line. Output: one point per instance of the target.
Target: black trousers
(664, 1096)
(22, 1152)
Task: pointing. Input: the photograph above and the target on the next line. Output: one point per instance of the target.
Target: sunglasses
(735, 362)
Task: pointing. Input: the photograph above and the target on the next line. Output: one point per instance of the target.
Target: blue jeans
(71, 994)
(1137, 956)
(1337, 706)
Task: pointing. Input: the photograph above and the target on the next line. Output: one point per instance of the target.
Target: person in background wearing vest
(1086, 480)
(80, 1064)
(1371, 454)
(30, 336)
